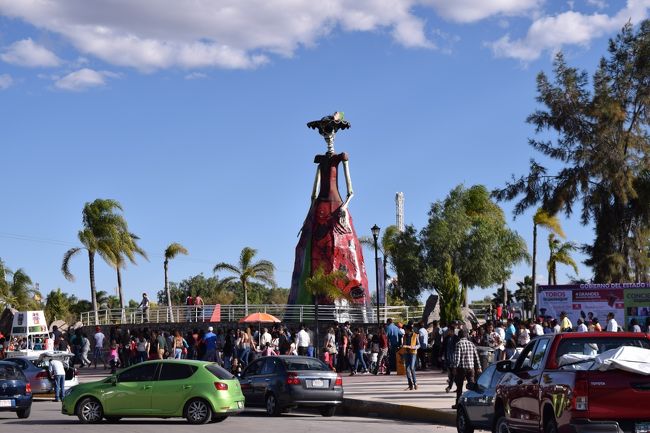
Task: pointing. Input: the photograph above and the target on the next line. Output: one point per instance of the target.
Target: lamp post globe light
(375, 236)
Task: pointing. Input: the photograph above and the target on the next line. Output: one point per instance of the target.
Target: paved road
(46, 415)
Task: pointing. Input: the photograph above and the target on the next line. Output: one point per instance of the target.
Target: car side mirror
(473, 386)
(113, 380)
(504, 366)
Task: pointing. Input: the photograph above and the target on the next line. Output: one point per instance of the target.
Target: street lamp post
(375, 235)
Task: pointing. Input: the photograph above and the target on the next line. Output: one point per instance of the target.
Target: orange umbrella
(260, 318)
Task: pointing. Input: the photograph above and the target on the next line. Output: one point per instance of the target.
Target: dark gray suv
(278, 383)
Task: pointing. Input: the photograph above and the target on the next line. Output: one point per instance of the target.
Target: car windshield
(11, 372)
(596, 346)
(220, 373)
(305, 364)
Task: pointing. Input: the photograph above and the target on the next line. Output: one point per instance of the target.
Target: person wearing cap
(210, 340)
(99, 338)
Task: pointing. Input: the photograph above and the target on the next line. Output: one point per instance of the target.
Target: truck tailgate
(617, 395)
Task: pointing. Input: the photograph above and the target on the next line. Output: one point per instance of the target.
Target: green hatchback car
(198, 391)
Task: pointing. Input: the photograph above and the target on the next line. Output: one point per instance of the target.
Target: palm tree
(550, 222)
(17, 291)
(171, 252)
(559, 252)
(323, 285)
(124, 246)
(247, 270)
(101, 226)
(524, 293)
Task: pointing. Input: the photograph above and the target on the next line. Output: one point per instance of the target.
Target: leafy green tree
(277, 296)
(599, 139)
(171, 252)
(469, 230)
(408, 263)
(559, 252)
(101, 226)
(448, 287)
(247, 270)
(57, 306)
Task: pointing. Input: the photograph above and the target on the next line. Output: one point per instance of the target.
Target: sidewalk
(384, 397)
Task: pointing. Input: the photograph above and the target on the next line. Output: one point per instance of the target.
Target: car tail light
(28, 389)
(339, 381)
(42, 375)
(580, 395)
(220, 386)
(292, 379)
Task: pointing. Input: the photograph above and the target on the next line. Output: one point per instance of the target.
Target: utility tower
(399, 207)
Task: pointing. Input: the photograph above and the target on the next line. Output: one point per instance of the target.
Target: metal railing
(233, 313)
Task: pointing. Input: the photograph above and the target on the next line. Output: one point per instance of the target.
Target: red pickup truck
(541, 392)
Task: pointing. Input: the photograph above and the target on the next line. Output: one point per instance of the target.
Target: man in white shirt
(302, 341)
(423, 339)
(266, 338)
(612, 325)
(57, 372)
(581, 326)
(538, 329)
(99, 346)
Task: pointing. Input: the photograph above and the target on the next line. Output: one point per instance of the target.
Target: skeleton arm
(314, 191)
(348, 184)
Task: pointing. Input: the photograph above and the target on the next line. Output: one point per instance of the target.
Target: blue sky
(192, 114)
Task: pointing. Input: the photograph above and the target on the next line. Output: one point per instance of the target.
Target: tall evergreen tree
(600, 139)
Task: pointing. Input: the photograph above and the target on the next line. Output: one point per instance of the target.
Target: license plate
(240, 404)
(642, 427)
(6, 403)
(318, 383)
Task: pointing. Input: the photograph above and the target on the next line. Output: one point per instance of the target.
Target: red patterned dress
(327, 242)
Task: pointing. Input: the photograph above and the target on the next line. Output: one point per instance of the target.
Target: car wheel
(218, 418)
(501, 425)
(328, 411)
(198, 411)
(272, 405)
(113, 419)
(90, 411)
(463, 423)
(550, 426)
(24, 413)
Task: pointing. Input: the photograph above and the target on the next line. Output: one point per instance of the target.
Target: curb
(377, 409)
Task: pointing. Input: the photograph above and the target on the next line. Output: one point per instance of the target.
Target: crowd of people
(461, 350)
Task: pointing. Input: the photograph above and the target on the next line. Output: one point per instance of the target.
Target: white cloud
(195, 76)
(467, 11)
(155, 34)
(27, 53)
(83, 79)
(550, 33)
(5, 81)
(600, 4)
